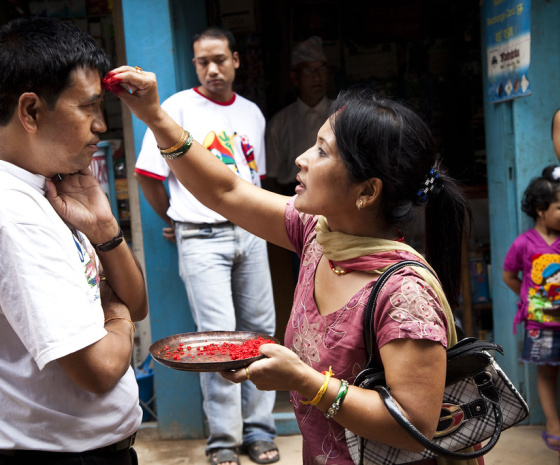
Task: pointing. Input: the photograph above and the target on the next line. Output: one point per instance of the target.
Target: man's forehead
(205, 55)
(84, 83)
(208, 47)
(310, 64)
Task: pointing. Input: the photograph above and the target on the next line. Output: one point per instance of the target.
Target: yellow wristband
(322, 391)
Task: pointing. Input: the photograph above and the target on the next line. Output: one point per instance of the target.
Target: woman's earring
(361, 205)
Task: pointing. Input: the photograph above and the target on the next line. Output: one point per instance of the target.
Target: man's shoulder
(246, 110)
(180, 96)
(245, 102)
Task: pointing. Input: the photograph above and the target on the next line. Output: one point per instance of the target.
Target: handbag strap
(396, 413)
(372, 302)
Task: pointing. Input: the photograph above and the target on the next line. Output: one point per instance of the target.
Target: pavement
(519, 445)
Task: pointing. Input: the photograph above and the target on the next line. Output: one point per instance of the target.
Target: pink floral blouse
(406, 308)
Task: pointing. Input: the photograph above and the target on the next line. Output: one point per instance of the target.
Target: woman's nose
(301, 159)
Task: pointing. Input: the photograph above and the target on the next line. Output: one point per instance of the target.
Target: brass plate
(187, 363)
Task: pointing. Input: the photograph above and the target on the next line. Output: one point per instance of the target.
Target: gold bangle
(180, 152)
(178, 145)
(322, 391)
(122, 318)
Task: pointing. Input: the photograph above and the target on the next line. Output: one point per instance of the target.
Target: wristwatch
(110, 245)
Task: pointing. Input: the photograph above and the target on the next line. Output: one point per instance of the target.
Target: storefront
(429, 53)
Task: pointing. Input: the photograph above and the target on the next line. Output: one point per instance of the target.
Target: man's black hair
(215, 32)
(38, 55)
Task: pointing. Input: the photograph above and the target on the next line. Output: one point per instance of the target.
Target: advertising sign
(508, 46)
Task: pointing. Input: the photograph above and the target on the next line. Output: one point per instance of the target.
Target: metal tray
(201, 339)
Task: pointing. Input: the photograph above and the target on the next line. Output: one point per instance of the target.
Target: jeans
(227, 277)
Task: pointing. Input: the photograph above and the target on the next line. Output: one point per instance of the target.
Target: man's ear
(236, 61)
(28, 105)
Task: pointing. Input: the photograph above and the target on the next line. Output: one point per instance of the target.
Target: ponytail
(447, 214)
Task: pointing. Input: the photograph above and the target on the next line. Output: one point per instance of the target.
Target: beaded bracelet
(323, 389)
(333, 409)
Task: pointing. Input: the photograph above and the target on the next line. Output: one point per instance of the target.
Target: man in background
(294, 129)
(224, 268)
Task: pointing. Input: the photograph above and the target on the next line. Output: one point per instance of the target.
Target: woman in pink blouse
(374, 162)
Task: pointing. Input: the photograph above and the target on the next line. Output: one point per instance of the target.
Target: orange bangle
(322, 391)
(121, 318)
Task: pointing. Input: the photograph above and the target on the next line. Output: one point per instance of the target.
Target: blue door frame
(157, 38)
(518, 146)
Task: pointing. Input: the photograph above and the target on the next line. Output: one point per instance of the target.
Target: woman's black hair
(38, 55)
(382, 138)
(541, 192)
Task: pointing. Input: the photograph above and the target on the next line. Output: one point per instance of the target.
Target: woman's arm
(415, 373)
(258, 211)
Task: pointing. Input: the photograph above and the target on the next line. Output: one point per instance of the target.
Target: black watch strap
(110, 245)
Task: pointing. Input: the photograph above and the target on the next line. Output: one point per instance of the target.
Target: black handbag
(478, 404)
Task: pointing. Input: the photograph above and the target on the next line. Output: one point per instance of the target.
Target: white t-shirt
(233, 131)
(291, 132)
(49, 308)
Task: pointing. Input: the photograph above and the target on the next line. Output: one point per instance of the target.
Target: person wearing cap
(294, 129)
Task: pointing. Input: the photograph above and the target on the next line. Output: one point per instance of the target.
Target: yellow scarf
(339, 247)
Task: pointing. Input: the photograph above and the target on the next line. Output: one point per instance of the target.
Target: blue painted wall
(519, 146)
(150, 28)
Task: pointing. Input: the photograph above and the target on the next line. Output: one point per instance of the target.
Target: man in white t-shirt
(293, 130)
(70, 287)
(224, 268)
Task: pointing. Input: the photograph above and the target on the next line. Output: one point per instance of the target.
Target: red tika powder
(218, 352)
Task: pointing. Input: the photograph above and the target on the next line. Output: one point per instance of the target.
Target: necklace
(340, 272)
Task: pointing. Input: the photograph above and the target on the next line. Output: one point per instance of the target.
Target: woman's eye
(322, 152)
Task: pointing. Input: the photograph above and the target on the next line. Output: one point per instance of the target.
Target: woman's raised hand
(138, 90)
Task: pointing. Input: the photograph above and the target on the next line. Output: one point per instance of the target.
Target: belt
(123, 444)
(204, 225)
